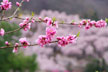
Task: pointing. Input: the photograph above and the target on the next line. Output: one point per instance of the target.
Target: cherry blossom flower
(18, 4)
(2, 32)
(50, 31)
(83, 22)
(5, 5)
(46, 19)
(62, 41)
(24, 42)
(87, 26)
(71, 38)
(15, 48)
(43, 40)
(92, 23)
(49, 22)
(25, 24)
(26, 0)
(55, 24)
(100, 23)
(7, 43)
(33, 20)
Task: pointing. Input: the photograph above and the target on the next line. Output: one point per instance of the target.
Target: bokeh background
(88, 54)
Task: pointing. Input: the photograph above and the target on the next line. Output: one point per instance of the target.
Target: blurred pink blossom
(5, 5)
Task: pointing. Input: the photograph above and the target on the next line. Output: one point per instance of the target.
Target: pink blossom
(24, 42)
(15, 48)
(7, 43)
(62, 41)
(50, 31)
(92, 23)
(55, 24)
(5, 5)
(2, 32)
(71, 38)
(18, 4)
(100, 23)
(87, 26)
(49, 22)
(33, 20)
(40, 18)
(25, 24)
(46, 19)
(26, 0)
(87, 23)
(83, 22)
(43, 40)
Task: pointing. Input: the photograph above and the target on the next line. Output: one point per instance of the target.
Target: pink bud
(2, 32)
(18, 4)
(24, 42)
(7, 43)
(5, 5)
(46, 19)
(15, 48)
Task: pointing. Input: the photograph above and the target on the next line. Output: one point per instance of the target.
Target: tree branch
(4, 47)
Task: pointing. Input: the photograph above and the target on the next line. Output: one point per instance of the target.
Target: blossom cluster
(23, 42)
(50, 33)
(2, 32)
(62, 41)
(51, 29)
(49, 22)
(26, 24)
(88, 23)
(5, 5)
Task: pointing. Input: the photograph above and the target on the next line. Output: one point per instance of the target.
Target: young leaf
(78, 34)
(54, 19)
(33, 13)
(106, 19)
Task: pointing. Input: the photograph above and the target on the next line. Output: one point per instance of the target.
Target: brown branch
(3, 12)
(4, 47)
(13, 31)
(13, 15)
(18, 28)
(35, 21)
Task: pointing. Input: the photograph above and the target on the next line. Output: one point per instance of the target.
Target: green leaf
(78, 34)
(73, 21)
(33, 13)
(106, 19)
(54, 19)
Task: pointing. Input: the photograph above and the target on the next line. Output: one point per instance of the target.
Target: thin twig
(4, 47)
(2, 14)
(13, 15)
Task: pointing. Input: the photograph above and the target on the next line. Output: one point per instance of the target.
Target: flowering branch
(51, 28)
(4, 47)
(13, 15)
(82, 23)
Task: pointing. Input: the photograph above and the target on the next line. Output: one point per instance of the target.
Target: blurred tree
(93, 16)
(10, 61)
(96, 65)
